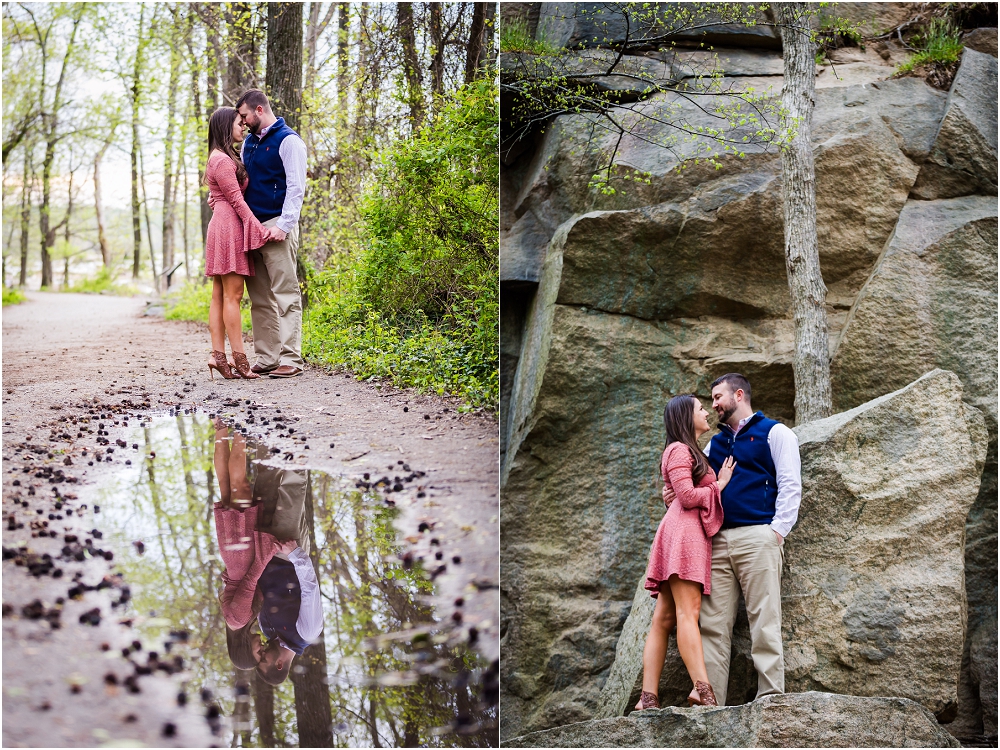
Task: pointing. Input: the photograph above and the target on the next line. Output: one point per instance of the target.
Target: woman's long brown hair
(678, 420)
(220, 136)
(239, 642)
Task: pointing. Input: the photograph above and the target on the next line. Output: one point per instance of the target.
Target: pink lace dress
(234, 230)
(683, 541)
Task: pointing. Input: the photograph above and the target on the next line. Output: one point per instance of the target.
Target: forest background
(105, 112)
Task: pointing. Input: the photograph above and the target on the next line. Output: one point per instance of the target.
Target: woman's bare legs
(241, 492)
(232, 293)
(655, 651)
(216, 326)
(687, 603)
(222, 463)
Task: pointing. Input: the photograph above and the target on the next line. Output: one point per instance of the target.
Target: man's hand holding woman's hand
(276, 235)
(286, 547)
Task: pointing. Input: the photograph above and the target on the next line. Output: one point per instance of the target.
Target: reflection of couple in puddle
(270, 588)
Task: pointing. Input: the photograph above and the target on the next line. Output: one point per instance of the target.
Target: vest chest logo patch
(751, 438)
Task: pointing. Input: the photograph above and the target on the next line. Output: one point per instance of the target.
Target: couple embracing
(256, 186)
(729, 509)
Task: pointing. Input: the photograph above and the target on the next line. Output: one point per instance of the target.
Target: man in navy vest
(275, 159)
(761, 505)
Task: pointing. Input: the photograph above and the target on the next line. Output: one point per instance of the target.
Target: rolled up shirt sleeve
(310, 621)
(784, 447)
(293, 156)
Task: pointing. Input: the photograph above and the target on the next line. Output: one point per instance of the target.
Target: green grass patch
(940, 43)
(192, 300)
(515, 37)
(105, 282)
(12, 297)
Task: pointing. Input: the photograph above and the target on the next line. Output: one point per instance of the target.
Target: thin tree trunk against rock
(474, 49)
(313, 714)
(27, 180)
(283, 79)
(411, 66)
(102, 239)
(136, 91)
(169, 188)
(811, 362)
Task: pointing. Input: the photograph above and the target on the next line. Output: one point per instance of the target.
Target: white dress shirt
(310, 622)
(293, 157)
(784, 447)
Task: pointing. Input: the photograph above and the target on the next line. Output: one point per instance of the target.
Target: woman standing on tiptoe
(680, 561)
(232, 233)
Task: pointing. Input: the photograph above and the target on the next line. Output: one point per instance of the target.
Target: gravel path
(64, 355)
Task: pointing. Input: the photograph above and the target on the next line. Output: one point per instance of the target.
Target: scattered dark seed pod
(169, 729)
(457, 560)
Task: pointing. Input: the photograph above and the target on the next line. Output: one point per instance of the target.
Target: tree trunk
(283, 80)
(489, 54)
(313, 714)
(27, 180)
(474, 49)
(149, 224)
(242, 48)
(316, 29)
(136, 91)
(167, 240)
(263, 706)
(411, 66)
(66, 231)
(437, 42)
(102, 239)
(811, 362)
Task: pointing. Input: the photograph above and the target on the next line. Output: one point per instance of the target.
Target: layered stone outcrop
(622, 301)
(809, 719)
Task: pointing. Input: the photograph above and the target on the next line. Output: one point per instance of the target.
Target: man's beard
(254, 126)
(727, 412)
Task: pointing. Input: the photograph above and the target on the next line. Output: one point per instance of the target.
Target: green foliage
(12, 297)
(192, 300)
(419, 303)
(105, 282)
(939, 43)
(515, 37)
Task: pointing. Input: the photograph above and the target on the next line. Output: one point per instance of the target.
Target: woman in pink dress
(232, 233)
(680, 560)
(244, 549)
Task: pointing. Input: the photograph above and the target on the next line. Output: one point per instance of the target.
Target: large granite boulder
(964, 158)
(809, 719)
(872, 593)
(931, 301)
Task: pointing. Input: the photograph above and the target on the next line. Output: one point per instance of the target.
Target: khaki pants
(275, 302)
(283, 495)
(747, 559)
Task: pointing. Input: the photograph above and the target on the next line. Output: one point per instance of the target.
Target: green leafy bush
(105, 282)
(12, 297)
(418, 303)
(940, 42)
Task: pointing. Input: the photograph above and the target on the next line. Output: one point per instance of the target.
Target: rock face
(622, 301)
(872, 595)
(793, 720)
(964, 158)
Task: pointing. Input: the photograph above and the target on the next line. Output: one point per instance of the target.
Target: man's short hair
(254, 98)
(736, 382)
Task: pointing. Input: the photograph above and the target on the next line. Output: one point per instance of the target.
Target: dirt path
(64, 355)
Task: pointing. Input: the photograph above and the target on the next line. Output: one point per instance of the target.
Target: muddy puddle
(286, 595)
